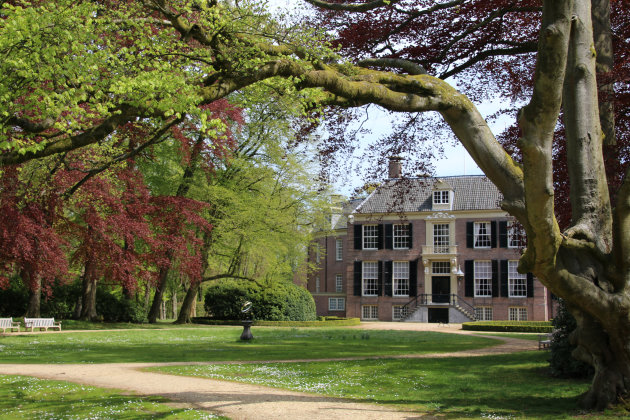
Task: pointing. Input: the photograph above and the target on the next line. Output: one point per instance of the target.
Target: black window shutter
(413, 278)
(503, 266)
(495, 278)
(380, 279)
(358, 236)
(410, 235)
(389, 236)
(358, 268)
(389, 291)
(530, 285)
(470, 237)
(469, 278)
(381, 236)
(493, 234)
(503, 236)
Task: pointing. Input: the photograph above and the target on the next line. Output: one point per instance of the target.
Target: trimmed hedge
(338, 322)
(281, 301)
(509, 326)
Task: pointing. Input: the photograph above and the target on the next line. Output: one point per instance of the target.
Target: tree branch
(590, 199)
(406, 65)
(352, 7)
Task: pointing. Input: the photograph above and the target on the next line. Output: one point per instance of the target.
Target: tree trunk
(608, 354)
(188, 309)
(88, 295)
(34, 295)
(154, 312)
(174, 304)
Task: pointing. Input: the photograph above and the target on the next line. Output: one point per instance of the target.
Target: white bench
(41, 323)
(544, 341)
(8, 324)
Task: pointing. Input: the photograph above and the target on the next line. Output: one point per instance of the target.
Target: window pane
(441, 267)
(338, 282)
(483, 278)
(517, 283)
(370, 237)
(441, 238)
(339, 249)
(482, 234)
(369, 312)
(401, 278)
(401, 236)
(400, 312)
(370, 278)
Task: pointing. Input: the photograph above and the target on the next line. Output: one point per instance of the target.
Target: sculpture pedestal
(247, 334)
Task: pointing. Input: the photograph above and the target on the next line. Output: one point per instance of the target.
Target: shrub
(562, 364)
(282, 301)
(509, 326)
(114, 307)
(14, 299)
(62, 302)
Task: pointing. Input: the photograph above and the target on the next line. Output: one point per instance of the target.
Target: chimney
(395, 167)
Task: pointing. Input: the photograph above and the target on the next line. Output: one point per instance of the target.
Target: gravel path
(244, 401)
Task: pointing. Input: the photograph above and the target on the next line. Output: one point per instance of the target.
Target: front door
(441, 287)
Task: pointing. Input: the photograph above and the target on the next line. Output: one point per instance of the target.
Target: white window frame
(517, 313)
(441, 197)
(441, 238)
(370, 237)
(369, 280)
(336, 304)
(517, 282)
(399, 312)
(514, 235)
(339, 250)
(482, 240)
(400, 278)
(369, 312)
(483, 313)
(400, 234)
(317, 284)
(483, 278)
(338, 283)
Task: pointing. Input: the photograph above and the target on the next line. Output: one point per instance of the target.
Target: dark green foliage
(509, 326)
(62, 301)
(114, 307)
(562, 364)
(13, 300)
(282, 301)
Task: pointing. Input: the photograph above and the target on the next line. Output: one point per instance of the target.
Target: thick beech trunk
(34, 295)
(154, 312)
(88, 295)
(188, 305)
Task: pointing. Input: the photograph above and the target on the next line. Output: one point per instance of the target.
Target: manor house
(425, 250)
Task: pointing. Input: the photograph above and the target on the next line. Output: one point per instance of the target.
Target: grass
(223, 344)
(29, 398)
(495, 387)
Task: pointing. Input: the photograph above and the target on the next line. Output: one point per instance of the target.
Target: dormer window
(441, 197)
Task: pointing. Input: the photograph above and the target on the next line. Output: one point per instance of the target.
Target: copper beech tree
(184, 54)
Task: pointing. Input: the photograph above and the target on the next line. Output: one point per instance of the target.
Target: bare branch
(406, 65)
(352, 7)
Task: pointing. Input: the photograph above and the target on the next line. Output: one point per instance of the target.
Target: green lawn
(29, 398)
(222, 344)
(492, 387)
